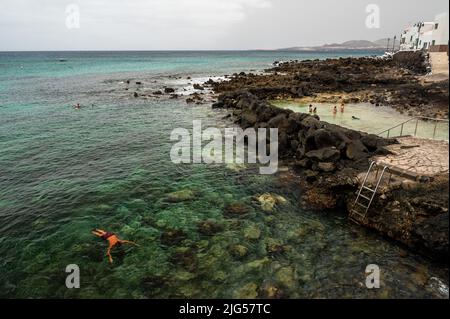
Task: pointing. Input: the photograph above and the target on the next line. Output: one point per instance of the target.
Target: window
(436, 25)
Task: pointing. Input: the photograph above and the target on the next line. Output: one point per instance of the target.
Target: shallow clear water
(371, 119)
(64, 172)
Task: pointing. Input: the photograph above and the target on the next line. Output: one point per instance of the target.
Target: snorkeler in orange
(112, 239)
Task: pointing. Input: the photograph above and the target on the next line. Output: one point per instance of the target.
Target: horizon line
(307, 49)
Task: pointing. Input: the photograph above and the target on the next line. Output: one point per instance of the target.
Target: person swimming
(112, 239)
(77, 106)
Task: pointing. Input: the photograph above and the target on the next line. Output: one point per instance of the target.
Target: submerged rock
(183, 276)
(268, 201)
(438, 287)
(180, 196)
(249, 291)
(432, 236)
(209, 227)
(185, 257)
(239, 251)
(270, 290)
(257, 265)
(287, 277)
(172, 237)
(236, 209)
(274, 246)
(252, 232)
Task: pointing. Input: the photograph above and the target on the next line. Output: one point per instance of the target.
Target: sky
(201, 24)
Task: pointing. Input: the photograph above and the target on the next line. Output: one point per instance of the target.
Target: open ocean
(64, 172)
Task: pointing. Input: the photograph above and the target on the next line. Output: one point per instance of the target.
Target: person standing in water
(335, 109)
(342, 107)
(310, 108)
(315, 110)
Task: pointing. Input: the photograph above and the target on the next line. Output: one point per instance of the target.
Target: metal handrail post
(434, 132)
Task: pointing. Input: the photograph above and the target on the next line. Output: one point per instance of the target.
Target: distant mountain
(353, 45)
(384, 43)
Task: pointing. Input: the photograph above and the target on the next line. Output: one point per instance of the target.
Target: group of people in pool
(313, 110)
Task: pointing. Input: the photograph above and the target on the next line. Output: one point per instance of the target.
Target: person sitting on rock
(112, 239)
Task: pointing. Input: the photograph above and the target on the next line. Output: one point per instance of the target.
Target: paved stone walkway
(416, 157)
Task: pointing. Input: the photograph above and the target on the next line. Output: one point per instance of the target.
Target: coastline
(331, 176)
(204, 230)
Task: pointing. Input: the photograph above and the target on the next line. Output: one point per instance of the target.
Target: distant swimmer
(112, 239)
(355, 118)
(310, 108)
(77, 106)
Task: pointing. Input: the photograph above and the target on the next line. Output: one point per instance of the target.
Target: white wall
(409, 37)
(440, 35)
(425, 35)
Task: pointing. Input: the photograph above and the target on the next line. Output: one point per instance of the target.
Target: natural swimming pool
(371, 119)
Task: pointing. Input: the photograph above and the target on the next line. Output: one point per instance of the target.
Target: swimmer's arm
(97, 233)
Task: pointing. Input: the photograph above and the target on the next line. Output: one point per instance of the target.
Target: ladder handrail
(416, 118)
(374, 191)
(372, 164)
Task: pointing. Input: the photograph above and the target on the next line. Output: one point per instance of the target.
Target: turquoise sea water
(64, 172)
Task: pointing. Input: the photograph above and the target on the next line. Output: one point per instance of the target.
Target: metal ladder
(369, 198)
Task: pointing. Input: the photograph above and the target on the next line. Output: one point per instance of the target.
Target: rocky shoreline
(396, 82)
(326, 159)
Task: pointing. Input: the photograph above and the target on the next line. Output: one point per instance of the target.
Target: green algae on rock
(180, 196)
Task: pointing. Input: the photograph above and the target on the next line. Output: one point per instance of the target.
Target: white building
(439, 39)
(432, 36)
(417, 36)
(408, 38)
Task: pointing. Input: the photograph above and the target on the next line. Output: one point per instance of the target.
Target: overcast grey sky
(201, 24)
